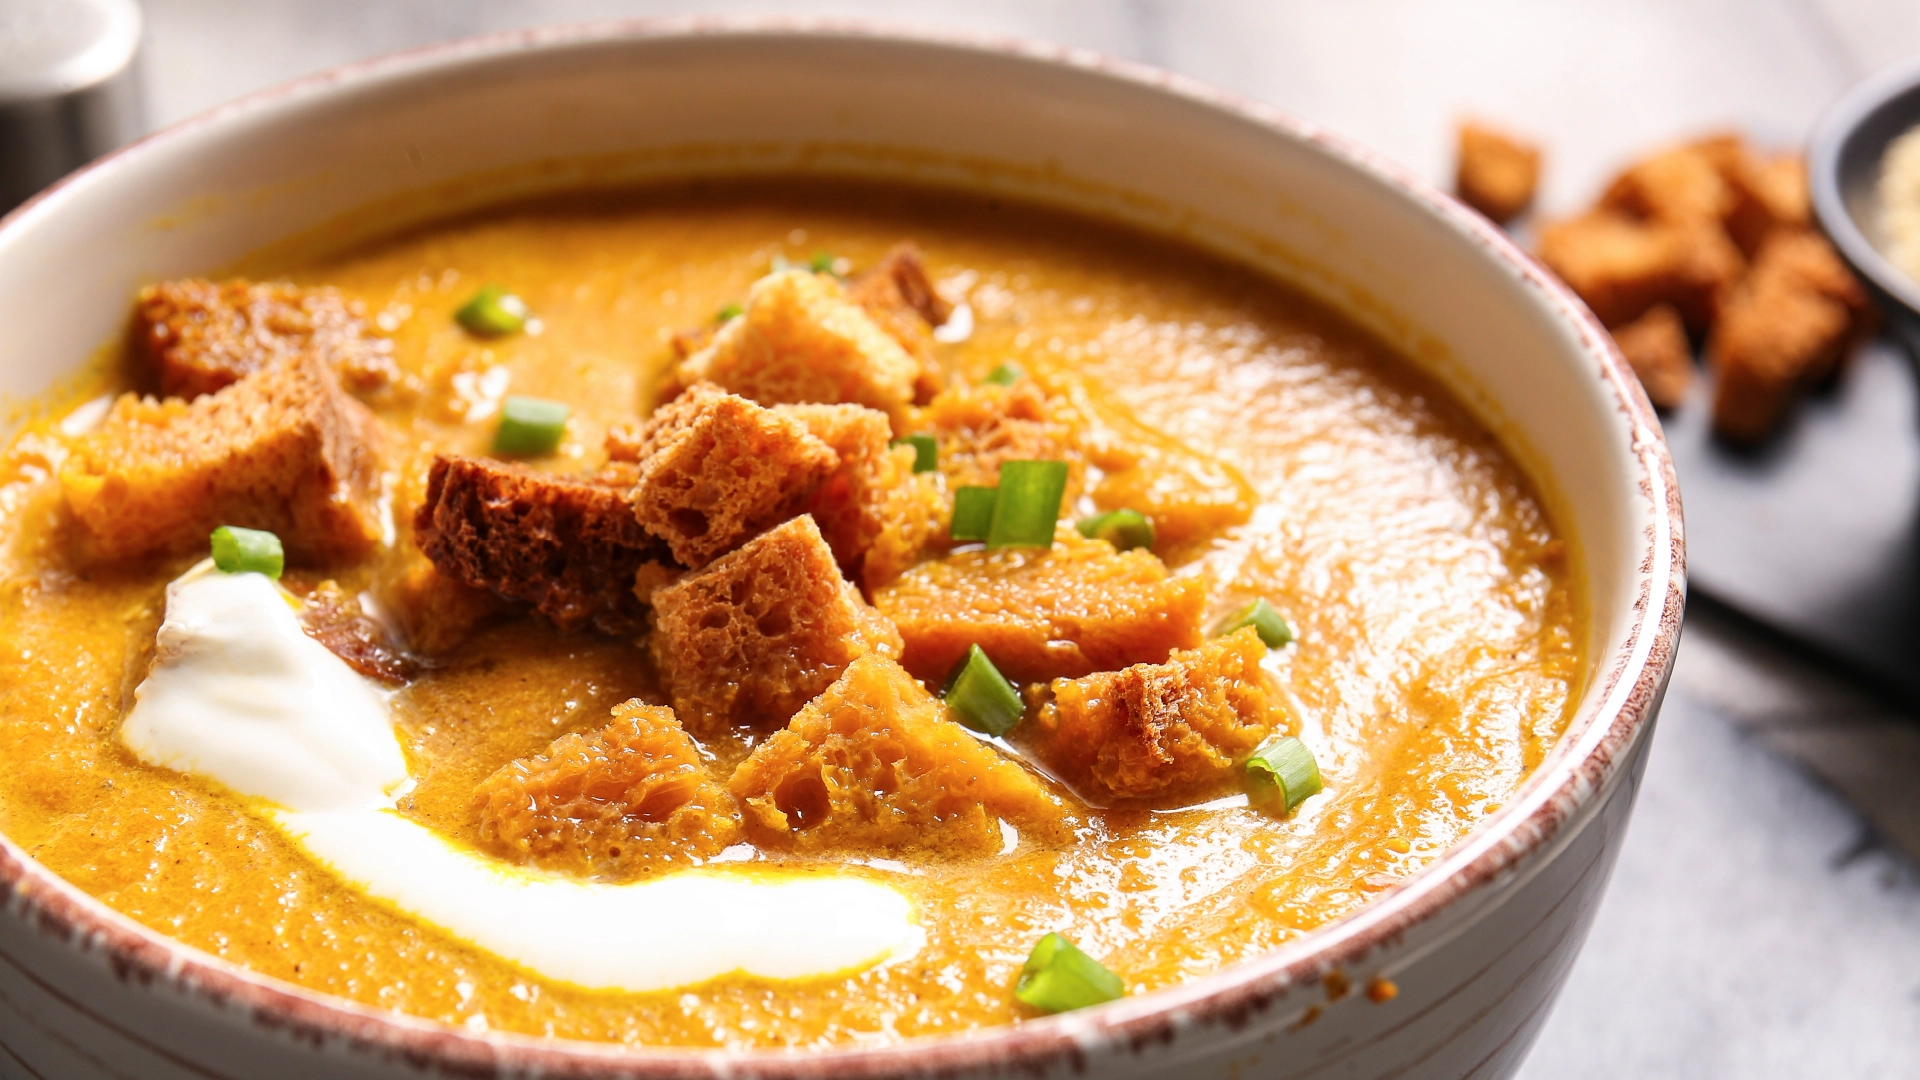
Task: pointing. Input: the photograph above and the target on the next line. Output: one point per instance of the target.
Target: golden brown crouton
(1155, 730)
(915, 516)
(978, 428)
(569, 547)
(874, 765)
(1188, 496)
(1656, 346)
(284, 449)
(802, 341)
(900, 297)
(1784, 328)
(1496, 173)
(1076, 608)
(201, 335)
(1621, 266)
(335, 618)
(752, 637)
(1681, 185)
(849, 505)
(629, 799)
(1770, 196)
(714, 469)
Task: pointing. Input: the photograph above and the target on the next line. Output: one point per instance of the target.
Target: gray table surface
(1765, 917)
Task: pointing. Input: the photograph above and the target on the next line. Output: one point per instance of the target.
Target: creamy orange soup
(1435, 659)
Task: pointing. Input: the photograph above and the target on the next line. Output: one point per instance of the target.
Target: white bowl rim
(1629, 685)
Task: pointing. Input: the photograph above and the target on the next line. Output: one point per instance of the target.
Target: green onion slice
(1006, 374)
(926, 452)
(247, 551)
(981, 696)
(1028, 508)
(1282, 770)
(493, 312)
(728, 313)
(972, 512)
(821, 263)
(529, 426)
(1124, 529)
(1058, 977)
(1265, 621)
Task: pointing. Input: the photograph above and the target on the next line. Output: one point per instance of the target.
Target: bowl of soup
(775, 548)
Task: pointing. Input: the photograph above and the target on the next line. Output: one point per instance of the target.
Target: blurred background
(1764, 920)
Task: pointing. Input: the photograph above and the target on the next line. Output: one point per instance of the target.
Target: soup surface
(1282, 454)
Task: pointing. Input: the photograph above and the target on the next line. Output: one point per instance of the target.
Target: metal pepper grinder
(69, 91)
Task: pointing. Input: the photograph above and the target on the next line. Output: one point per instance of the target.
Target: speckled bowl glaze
(1477, 944)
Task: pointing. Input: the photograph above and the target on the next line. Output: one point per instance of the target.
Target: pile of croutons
(1710, 240)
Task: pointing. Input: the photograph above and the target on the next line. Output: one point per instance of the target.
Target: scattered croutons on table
(1495, 172)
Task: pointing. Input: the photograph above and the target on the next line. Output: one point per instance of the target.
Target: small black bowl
(1843, 166)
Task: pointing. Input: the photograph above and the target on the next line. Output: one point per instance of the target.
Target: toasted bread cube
(1770, 195)
(800, 341)
(978, 428)
(1786, 327)
(200, 336)
(714, 469)
(1188, 496)
(849, 505)
(1682, 185)
(284, 449)
(1181, 728)
(915, 517)
(1495, 173)
(567, 546)
(758, 633)
(902, 300)
(630, 799)
(1621, 266)
(874, 765)
(1656, 346)
(1041, 614)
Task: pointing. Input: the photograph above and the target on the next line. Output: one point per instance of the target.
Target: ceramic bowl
(1476, 945)
(1843, 171)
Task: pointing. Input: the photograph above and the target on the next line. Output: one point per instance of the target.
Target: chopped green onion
(529, 426)
(1282, 770)
(821, 263)
(983, 698)
(728, 313)
(1028, 508)
(1265, 621)
(247, 551)
(493, 312)
(1006, 374)
(1124, 529)
(973, 512)
(926, 452)
(1058, 977)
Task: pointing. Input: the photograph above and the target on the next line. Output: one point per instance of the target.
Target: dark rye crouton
(1495, 173)
(874, 765)
(800, 340)
(1042, 614)
(901, 299)
(284, 449)
(1161, 730)
(1656, 347)
(199, 336)
(567, 546)
(713, 469)
(758, 633)
(629, 799)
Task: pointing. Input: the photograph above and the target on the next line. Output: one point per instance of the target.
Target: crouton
(799, 341)
(630, 799)
(1681, 185)
(1496, 173)
(1656, 346)
(335, 618)
(1622, 266)
(900, 297)
(284, 449)
(1787, 326)
(436, 613)
(569, 547)
(978, 428)
(199, 336)
(915, 516)
(1040, 614)
(1181, 728)
(1187, 495)
(874, 765)
(714, 469)
(1770, 195)
(759, 632)
(849, 506)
